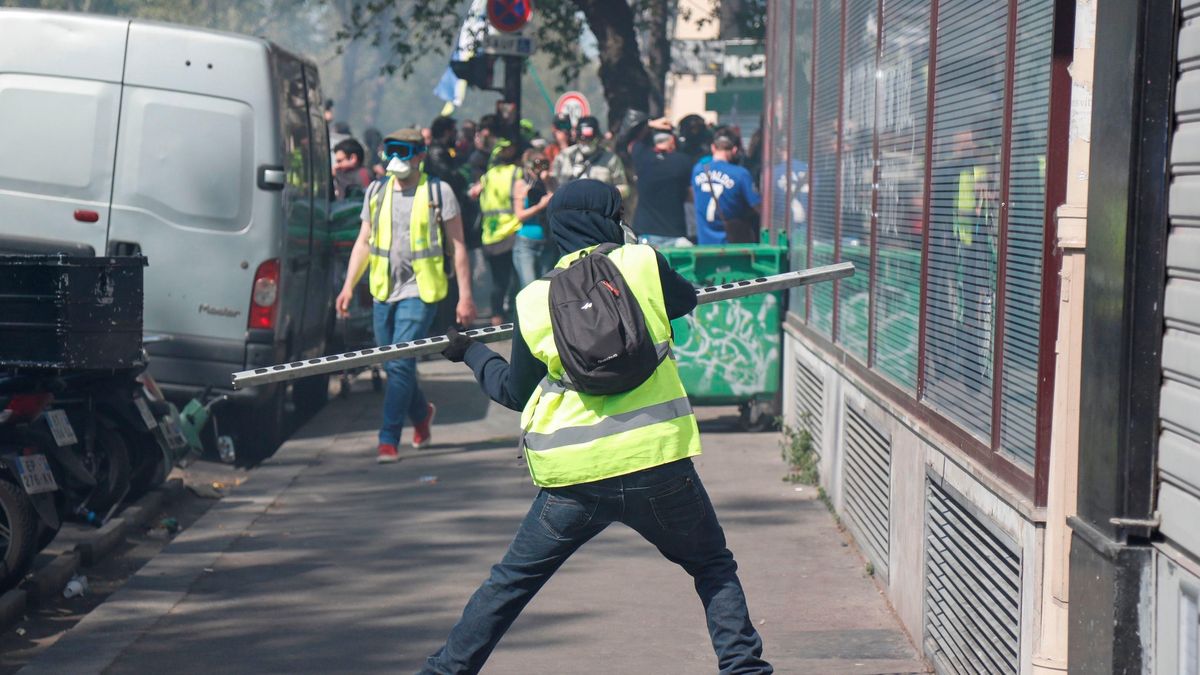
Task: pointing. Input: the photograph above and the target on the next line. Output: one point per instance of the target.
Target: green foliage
(870, 569)
(796, 447)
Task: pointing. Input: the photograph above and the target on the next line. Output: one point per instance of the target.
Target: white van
(207, 152)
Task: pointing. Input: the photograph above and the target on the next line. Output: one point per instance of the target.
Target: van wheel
(311, 394)
(261, 429)
(18, 533)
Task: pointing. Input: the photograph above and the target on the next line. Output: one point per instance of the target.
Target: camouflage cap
(407, 134)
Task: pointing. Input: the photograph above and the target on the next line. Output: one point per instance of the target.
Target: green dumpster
(729, 352)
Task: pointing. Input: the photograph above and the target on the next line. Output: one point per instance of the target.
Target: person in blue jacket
(726, 202)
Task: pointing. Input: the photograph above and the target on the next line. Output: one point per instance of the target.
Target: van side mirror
(271, 177)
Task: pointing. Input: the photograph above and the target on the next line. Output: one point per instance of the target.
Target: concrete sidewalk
(326, 562)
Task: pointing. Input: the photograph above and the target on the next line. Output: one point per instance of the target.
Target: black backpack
(599, 329)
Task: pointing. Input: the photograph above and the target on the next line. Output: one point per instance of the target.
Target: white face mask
(399, 168)
(588, 147)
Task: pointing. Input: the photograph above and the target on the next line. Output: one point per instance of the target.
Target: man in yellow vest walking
(599, 459)
(500, 223)
(408, 220)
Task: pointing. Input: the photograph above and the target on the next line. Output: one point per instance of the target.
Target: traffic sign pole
(510, 16)
(513, 65)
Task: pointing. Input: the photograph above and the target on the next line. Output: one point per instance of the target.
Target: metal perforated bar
(434, 345)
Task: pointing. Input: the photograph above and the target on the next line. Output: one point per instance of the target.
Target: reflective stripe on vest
(570, 437)
(424, 238)
(609, 426)
(496, 203)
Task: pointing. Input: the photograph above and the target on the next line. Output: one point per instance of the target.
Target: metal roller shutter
(1179, 444)
(1179, 448)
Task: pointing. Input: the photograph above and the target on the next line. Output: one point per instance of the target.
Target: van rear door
(195, 123)
(60, 96)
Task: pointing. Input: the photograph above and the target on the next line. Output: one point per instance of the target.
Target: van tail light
(24, 407)
(264, 298)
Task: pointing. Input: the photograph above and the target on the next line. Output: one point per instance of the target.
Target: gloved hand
(459, 343)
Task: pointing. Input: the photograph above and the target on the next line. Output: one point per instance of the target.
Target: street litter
(206, 491)
(171, 525)
(20, 631)
(78, 585)
(429, 480)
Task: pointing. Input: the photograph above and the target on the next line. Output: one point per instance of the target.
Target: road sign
(508, 45)
(574, 105)
(509, 16)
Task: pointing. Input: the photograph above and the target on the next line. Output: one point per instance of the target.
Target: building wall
(685, 93)
(961, 529)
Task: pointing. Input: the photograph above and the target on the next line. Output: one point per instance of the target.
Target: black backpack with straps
(599, 329)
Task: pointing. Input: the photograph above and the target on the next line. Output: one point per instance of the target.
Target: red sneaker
(421, 432)
(387, 454)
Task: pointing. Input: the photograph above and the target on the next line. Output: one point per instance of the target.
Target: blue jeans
(532, 258)
(400, 322)
(668, 506)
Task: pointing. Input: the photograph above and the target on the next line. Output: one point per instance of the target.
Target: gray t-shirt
(404, 284)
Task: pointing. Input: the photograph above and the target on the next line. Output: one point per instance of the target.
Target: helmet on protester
(588, 127)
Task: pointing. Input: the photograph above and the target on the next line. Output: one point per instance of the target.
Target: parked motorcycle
(29, 505)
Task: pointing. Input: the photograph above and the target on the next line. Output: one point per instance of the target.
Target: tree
(629, 81)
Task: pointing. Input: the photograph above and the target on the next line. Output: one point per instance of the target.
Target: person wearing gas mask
(588, 159)
(408, 221)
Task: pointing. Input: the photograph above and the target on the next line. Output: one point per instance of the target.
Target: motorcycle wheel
(110, 466)
(148, 467)
(18, 533)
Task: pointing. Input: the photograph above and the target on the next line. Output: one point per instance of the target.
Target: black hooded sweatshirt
(582, 213)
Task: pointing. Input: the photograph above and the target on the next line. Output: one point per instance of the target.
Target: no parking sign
(574, 105)
(509, 16)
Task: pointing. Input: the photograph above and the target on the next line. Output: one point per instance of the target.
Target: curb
(94, 643)
(12, 606)
(96, 547)
(47, 582)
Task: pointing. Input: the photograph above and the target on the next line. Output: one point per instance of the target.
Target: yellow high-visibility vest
(570, 437)
(496, 202)
(424, 238)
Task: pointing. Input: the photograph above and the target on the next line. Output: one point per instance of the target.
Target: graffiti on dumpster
(723, 346)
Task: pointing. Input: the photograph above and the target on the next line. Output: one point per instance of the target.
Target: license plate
(35, 474)
(60, 426)
(173, 434)
(144, 411)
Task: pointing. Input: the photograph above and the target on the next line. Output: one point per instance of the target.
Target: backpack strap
(435, 199)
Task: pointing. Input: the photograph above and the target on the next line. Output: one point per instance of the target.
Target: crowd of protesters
(436, 206)
(682, 185)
